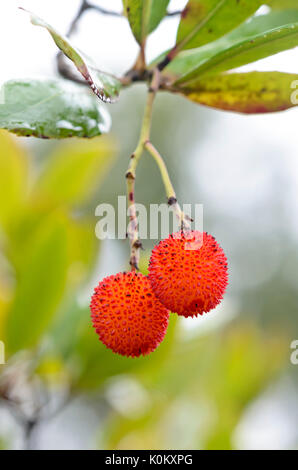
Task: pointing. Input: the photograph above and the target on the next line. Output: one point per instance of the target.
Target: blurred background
(224, 381)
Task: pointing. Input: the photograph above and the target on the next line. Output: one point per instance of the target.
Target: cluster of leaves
(214, 37)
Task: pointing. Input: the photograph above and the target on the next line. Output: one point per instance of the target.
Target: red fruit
(127, 316)
(189, 281)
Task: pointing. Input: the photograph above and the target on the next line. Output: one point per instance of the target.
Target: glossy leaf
(144, 16)
(74, 172)
(105, 86)
(260, 37)
(51, 109)
(40, 285)
(248, 93)
(204, 21)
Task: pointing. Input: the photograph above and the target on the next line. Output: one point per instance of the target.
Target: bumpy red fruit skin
(189, 282)
(127, 316)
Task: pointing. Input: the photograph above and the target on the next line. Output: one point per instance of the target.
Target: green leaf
(40, 284)
(260, 37)
(105, 86)
(144, 16)
(74, 172)
(13, 178)
(51, 109)
(248, 93)
(203, 21)
(157, 13)
(282, 4)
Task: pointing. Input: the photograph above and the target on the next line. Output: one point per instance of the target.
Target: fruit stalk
(133, 229)
(170, 192)
(145, 144)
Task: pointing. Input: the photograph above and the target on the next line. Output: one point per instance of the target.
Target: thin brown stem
(174, 13)
(133, 229)
(85, 5)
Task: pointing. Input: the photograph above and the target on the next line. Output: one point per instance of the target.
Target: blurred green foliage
(209, 382)
(190, 393)
(48, 246)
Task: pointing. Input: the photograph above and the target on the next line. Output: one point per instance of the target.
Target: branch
(85, 5)
(174, 13)
(103, 11)
(83, 8)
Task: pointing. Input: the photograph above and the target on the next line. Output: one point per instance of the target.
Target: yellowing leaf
(248, 93)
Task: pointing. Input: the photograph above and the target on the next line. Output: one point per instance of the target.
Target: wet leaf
(260, 37)
(51, 109)
(144, 16)
(204, 21)
(105, 86)
(248, 93)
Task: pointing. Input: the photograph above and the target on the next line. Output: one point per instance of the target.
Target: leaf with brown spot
(247, 93)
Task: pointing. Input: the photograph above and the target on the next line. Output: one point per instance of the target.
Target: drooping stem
(133, 230)
(171, 195)
(170, 192)
(145, 144)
